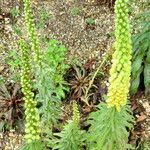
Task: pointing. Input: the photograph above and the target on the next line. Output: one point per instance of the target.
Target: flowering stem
(121, 59)
(31, 112)
(32, 31)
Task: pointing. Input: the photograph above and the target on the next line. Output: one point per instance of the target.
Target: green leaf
(136, 66)
(147, 78)
(141, 53)
(37, 145)
(70, 138)
(135, 82)
(2, 124)
(108, 123)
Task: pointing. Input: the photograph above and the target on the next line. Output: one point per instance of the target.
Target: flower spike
(121, 60)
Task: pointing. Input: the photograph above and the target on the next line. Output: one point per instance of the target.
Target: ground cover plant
(56, 99)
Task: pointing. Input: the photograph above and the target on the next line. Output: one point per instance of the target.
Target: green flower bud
(121, 64)
(32, 31)
(32, 125)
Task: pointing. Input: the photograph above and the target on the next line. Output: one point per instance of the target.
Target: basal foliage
(33, 146)
(109, 128)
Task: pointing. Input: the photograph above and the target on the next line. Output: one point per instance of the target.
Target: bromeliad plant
(11, 106)
(114, 118)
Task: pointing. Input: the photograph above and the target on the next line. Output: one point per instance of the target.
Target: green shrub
(51, 85)
(75, 11)
(17, 30)
(15, 11)
(44, 16)
(90, 21)
(13, 60)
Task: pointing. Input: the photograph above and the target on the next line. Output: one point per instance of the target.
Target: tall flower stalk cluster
(121, 64)
(31, 112)
(31, 30)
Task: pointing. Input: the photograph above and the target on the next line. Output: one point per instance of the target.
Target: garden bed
(86, 30)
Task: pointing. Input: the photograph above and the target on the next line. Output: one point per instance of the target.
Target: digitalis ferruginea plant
(31, 112)
(121, 60)
(114, 119)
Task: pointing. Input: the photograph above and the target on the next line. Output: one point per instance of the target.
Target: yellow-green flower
(31, 112)
(121, 59)
(31, 31)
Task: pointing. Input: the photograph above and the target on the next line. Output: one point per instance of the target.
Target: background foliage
(141, 53)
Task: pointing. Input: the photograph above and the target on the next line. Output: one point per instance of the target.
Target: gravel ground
(10, 140)
(67, 22)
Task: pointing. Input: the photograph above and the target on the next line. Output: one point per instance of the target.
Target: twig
(85, 99)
